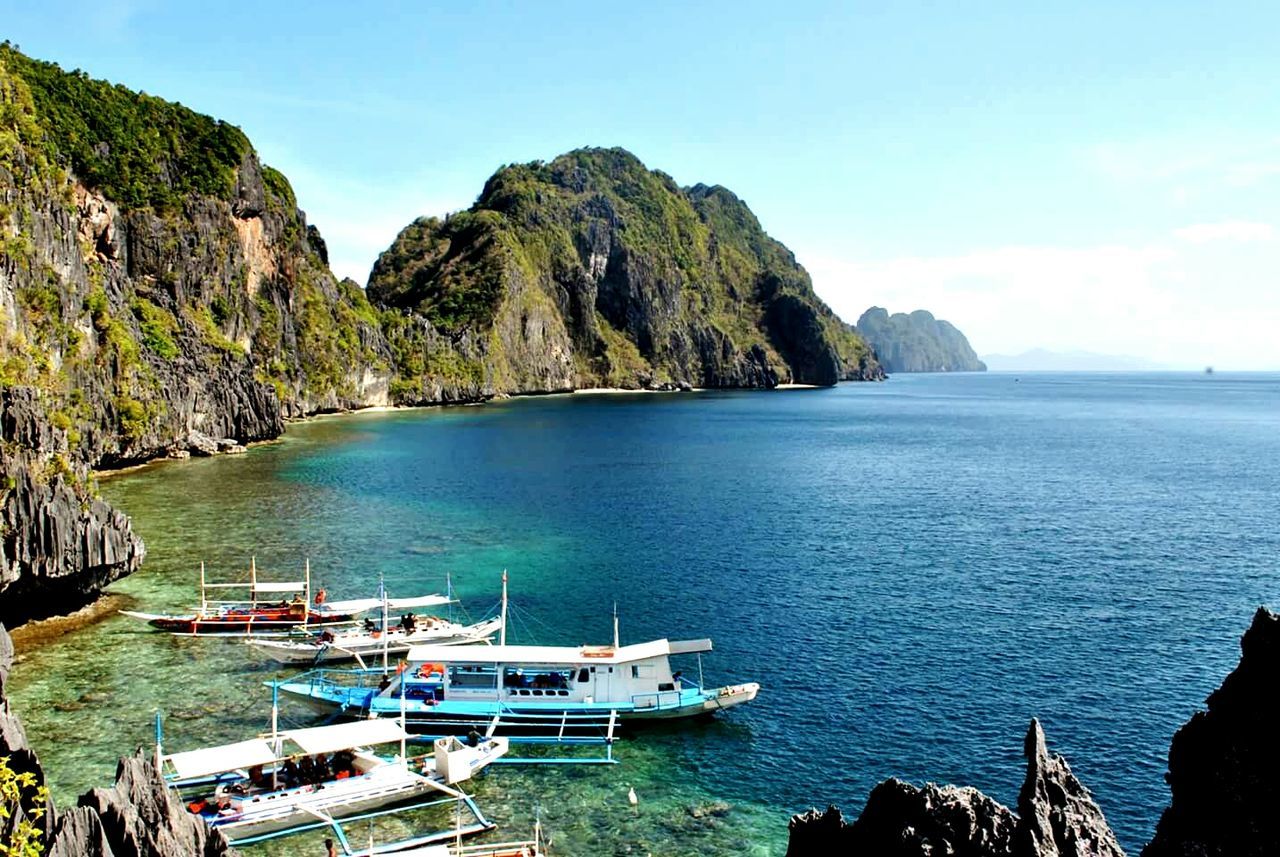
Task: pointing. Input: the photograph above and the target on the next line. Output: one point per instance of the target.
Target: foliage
(137, 149)
(21, 789)
(159, 327)
(654, 258)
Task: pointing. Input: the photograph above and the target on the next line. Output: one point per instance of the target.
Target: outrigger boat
(273, 607)
(381, 639)
(255, 790)
(465, 686)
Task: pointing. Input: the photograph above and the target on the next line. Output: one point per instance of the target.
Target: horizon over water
(912, 570)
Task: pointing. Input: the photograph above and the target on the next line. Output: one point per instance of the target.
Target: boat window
(584, 675)
(472, 677)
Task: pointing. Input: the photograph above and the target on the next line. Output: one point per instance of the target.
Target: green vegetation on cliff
(137, 149)
(645, 283)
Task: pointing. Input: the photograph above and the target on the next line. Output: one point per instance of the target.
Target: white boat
(361, 642)
(443, 689)
(255, 789)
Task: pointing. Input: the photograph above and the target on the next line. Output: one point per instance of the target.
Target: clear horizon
(1079, 178)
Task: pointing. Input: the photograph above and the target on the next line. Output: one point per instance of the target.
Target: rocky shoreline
(1221, 775)
(137, 817)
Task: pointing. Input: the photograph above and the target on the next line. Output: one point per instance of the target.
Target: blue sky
(1094, 176)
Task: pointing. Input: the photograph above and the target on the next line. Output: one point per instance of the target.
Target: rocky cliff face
(917, 342)
(160, 292)
(1222, 763)
(137, 817)
(592, 270)
(1056, 818)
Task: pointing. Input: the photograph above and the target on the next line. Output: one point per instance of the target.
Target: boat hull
(447, 716)
(398, 644)
(263, 815)
(237, 624)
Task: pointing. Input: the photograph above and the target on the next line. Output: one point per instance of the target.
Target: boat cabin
(639, 674)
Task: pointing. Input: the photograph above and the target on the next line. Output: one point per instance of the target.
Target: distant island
(1041, 360)
(917, 342)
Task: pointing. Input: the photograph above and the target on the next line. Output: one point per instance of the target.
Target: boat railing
(660, 699)
(322, 679)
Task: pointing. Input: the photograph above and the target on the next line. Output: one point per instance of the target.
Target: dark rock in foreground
(1056, 817)
(137, 817)
(1222, 763)
(1221, 772)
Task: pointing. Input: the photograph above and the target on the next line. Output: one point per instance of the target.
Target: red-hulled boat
(273, 607)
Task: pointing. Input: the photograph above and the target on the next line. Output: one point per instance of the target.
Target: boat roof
(217, 760)
(258, 751)
(361, 605)
(576, 655)
(345, 736)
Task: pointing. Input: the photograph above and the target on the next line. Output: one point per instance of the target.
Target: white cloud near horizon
(1229, 230)
(1205, 295)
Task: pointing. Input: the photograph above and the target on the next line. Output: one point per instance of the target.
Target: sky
(1071, 176)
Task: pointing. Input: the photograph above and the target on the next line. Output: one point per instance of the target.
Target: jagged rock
(137, 817)
(1222, 763)
(140, 815)
(1057, 817)
(59, 543)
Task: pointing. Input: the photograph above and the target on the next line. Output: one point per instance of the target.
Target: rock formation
(1222, 763)
(161, 294)
(592, 270)
(137, 817)
(1221, 773)
(917, 342)
(1056, 817)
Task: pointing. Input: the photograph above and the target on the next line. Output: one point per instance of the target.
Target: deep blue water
(911, 569)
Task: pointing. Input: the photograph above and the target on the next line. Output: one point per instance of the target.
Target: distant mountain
(1040, 360)
(917, 342)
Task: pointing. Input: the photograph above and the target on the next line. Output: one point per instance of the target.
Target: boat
(470, 685)
(380, 639)
(255, 790)
(272, 607)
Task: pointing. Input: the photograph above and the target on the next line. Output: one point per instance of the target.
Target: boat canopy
(278, 586)
(361, 605)
(346, 736)
(555, 655)
(217, 760)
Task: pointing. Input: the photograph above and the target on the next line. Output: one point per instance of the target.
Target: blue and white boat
(482, 683)
(445, 689)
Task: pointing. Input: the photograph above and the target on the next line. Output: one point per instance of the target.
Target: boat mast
(382, 587)
(502, 638)
(204, 595)
(275, 730)
(306, 591)
(615, 624)
(159, 737)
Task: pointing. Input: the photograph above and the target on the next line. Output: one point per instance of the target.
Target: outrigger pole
(382, 585)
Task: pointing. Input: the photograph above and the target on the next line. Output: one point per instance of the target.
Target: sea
(912, 570)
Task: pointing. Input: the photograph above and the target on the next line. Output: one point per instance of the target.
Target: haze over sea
(911, 569)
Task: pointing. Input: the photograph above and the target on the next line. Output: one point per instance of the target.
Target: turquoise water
(911, 569)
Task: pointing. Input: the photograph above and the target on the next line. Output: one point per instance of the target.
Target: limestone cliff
(160, 292)
(137, 817)
(592, 270)
(1056, 817)
(917, 342)
(1222, 763)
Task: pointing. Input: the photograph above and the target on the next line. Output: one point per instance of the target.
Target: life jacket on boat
(197, 806)
(321, 595)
